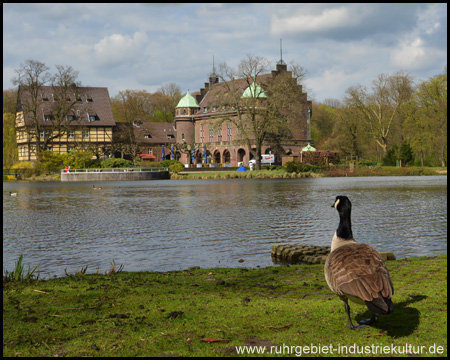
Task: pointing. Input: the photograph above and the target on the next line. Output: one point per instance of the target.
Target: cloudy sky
(142, 46)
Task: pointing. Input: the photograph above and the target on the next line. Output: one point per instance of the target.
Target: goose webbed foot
(368, 321)
(350, 325)
(358, 327)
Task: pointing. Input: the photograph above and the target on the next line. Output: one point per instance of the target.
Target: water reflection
(170, 225)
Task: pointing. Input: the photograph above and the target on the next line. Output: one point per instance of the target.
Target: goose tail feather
(380, 306)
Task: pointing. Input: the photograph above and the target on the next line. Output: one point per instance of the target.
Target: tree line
(394, 119)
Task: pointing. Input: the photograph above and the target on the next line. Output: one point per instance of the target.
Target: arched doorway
(217, 157)
(240, 155)
(198, 157)
(226, 156)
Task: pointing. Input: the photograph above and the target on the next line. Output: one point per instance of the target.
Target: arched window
(217, 157)
(226, 156)
(241, 154)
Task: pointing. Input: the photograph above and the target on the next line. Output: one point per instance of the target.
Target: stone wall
(114, 176)
(307, 254)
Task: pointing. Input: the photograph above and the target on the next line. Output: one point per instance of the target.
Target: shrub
(27, 166)
(23, 165)
(176, 168)
(49, 162)
(403, 153)
(168, 163)
(78, 159)
(292, 166)
(115, 163)
(274, 167)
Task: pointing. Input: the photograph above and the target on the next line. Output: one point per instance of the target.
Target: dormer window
(147, 136)
(205, 109)
(47, 117)
(92, 116)
(89, 98)
(70, 117)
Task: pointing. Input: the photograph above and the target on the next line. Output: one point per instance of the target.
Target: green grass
(255, 174)
(151, 313)
(332, 171)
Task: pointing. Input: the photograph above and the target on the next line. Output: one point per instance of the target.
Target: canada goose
(12, 194)
(96, 188)
(356, 271)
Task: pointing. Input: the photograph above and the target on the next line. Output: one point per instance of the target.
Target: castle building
(205, 137)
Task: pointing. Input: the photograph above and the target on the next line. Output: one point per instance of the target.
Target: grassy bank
(332, 171)
(208, 312)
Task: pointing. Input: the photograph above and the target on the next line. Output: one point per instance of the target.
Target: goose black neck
(344, 230)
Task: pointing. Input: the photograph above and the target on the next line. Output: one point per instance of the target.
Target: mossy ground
(151, 313)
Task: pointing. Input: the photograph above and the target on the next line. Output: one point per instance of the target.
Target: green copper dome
(254, 90)
(309, 148)
(188, 101)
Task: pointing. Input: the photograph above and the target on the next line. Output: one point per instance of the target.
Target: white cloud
(326, 20)
(409, 55)
(117, 48)
(332, 83)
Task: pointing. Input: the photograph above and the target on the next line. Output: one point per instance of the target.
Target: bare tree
(173, 91)
(42, 115)
(62, 108)
(268, 109)
(31, 76)
(381, 107)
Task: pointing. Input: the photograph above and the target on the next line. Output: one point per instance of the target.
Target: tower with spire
(213, 78)
(281, 65)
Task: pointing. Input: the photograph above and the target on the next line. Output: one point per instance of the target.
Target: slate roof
(92, 101)
(210, 98)
(160, 133)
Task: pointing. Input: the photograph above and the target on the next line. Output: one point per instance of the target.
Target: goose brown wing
(359, 270)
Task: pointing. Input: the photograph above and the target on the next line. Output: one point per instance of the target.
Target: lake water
(175, 224)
